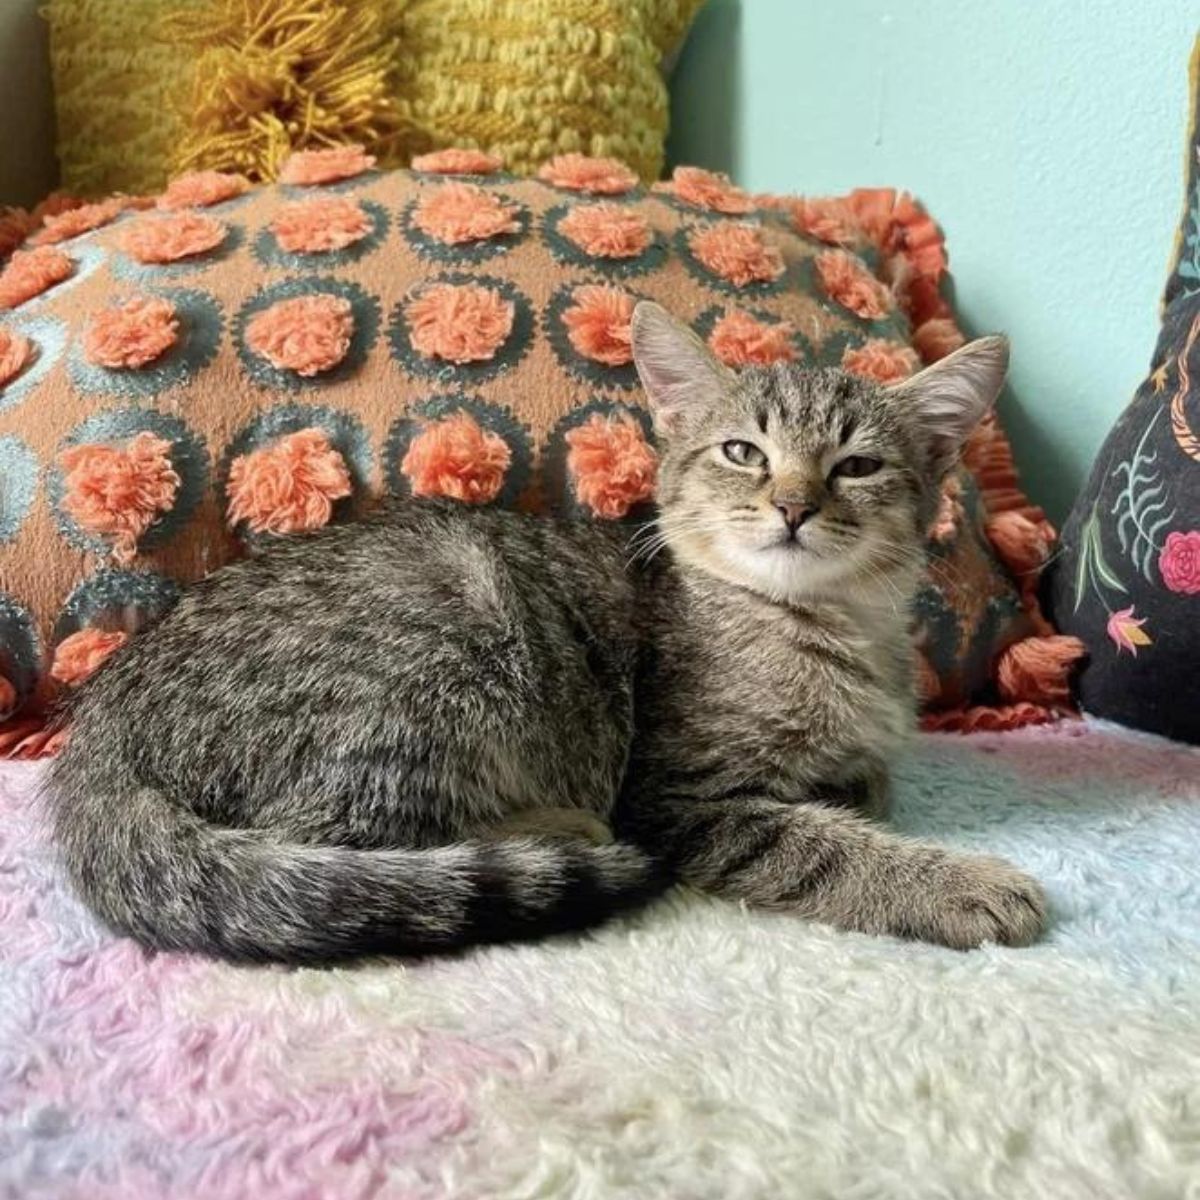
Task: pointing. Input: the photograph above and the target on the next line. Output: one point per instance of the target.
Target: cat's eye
(744, 454)
(857, 466)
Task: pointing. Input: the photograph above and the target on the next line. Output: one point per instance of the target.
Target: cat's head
(801, 483)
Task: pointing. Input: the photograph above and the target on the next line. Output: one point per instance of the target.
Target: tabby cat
(416, 732)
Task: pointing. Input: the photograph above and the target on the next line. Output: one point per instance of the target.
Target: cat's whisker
(883, 579)
(654, 547)
(649, 528)
(649, 542)
(643, 528)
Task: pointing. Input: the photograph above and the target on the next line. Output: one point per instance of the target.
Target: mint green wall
(1046, 137)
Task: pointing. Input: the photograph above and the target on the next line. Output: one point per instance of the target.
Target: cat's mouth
(807, 547)
(790, 554)
(791, 541)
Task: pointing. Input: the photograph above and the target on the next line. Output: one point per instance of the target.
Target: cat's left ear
(679, 372)
(952, 396)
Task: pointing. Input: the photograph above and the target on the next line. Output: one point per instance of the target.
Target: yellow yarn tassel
(273, 76)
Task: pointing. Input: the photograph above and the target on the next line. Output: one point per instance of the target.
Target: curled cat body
(445, 725)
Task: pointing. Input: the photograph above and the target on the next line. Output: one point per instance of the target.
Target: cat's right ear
(951, 397)
(676, 368)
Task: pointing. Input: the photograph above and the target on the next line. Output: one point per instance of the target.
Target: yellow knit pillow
(116, 130)
(145, 88)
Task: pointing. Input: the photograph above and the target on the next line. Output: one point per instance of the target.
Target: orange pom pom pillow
(240, 364)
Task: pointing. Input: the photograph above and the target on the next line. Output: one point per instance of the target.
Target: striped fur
(333, 747)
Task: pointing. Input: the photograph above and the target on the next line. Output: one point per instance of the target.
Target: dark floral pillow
(1128, 580)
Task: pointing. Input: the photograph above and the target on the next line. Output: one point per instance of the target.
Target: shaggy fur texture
(697, 1050)
(326, 749)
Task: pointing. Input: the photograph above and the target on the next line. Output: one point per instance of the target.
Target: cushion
(146, 88)
(239, 363)
(1128, 580)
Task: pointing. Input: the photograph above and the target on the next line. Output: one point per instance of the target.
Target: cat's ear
(676, 368)
(952, 396)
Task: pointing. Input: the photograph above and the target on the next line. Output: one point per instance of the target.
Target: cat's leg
(867, 790)
(832, 865)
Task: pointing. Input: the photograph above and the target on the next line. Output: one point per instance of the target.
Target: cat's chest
(800, 691)
(818, 684)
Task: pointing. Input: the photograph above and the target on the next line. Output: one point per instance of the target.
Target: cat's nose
(795, 514)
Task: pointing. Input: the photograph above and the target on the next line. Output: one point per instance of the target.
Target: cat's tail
(158, 872)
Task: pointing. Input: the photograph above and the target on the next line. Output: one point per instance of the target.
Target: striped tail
(160, 873)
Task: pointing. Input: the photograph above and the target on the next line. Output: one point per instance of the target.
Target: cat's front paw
(969, 900)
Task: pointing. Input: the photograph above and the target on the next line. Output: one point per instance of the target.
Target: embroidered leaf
(1102, 568)
(1137, 635)
(1159, 525)
(1125, 519)
(1138, 504)
(1081, 567)
(1150, 494)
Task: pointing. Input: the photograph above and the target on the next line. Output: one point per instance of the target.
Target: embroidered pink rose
(1179, 562)
(1126, 630)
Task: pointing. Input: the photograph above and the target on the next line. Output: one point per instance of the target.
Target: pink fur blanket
(695, 1050)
